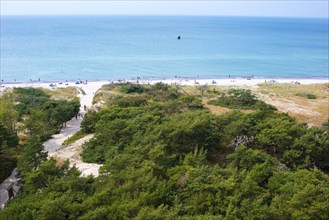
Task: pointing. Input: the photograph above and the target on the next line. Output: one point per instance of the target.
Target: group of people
(79, 114)
(76, 117)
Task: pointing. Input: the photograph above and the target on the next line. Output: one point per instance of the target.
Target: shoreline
(180, 80)
(95, 85)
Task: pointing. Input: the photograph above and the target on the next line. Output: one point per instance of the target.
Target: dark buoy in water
(178, 38)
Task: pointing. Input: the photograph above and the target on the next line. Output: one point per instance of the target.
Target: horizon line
(162, 15)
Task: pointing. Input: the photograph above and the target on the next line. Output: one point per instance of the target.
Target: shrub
(240, 99)
(89, 122)
(124, 102)
(307, 95)
(80, 134)
(131, 88)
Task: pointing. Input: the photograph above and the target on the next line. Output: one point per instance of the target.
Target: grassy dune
(62, 93)
(293, 99)
(306, 103)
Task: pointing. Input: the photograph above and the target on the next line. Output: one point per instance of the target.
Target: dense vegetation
(131, 88)
(45, 115)
(240, 99)
(8, 145)
(167, 157)
(31, 114)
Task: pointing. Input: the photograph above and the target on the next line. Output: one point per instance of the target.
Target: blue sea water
(122, 47)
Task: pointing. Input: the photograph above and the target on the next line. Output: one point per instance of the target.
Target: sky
(276, 8)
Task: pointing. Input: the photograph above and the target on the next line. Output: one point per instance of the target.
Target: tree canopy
(167, 160)
(31, 114)
(240, 99)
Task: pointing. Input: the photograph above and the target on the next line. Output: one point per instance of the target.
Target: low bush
(131, 88)
(307, 95)
(80, 134)
(240, 99)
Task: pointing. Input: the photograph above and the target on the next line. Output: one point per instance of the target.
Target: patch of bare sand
(217, 110)
(72, 153)
(309, 113)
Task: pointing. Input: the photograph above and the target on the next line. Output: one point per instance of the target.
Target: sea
(126, 47)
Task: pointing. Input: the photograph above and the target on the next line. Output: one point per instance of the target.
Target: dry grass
(218, 110)
(59, 161)
(285, 97)
(282, 95)
(210, 91)
(190, 90)
(23, 138)
(106, 92)
(62, 93)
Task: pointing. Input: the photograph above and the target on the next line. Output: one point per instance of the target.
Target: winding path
(11, 181)
(72, 152)
(55, 148)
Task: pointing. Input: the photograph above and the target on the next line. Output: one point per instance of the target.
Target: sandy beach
(92, 86)
(235, 81)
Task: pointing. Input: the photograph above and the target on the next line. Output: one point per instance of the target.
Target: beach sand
(95, 85)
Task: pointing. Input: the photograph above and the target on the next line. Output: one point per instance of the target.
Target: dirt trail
(72, 152)
(55, 143)
(55, 148)
(10, 182)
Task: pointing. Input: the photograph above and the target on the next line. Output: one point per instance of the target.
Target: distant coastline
(183, 80)
(170, 81)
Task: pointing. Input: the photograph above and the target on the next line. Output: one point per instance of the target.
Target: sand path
(55, 143)
(72, 152)
(55, 148)
(11, 181)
